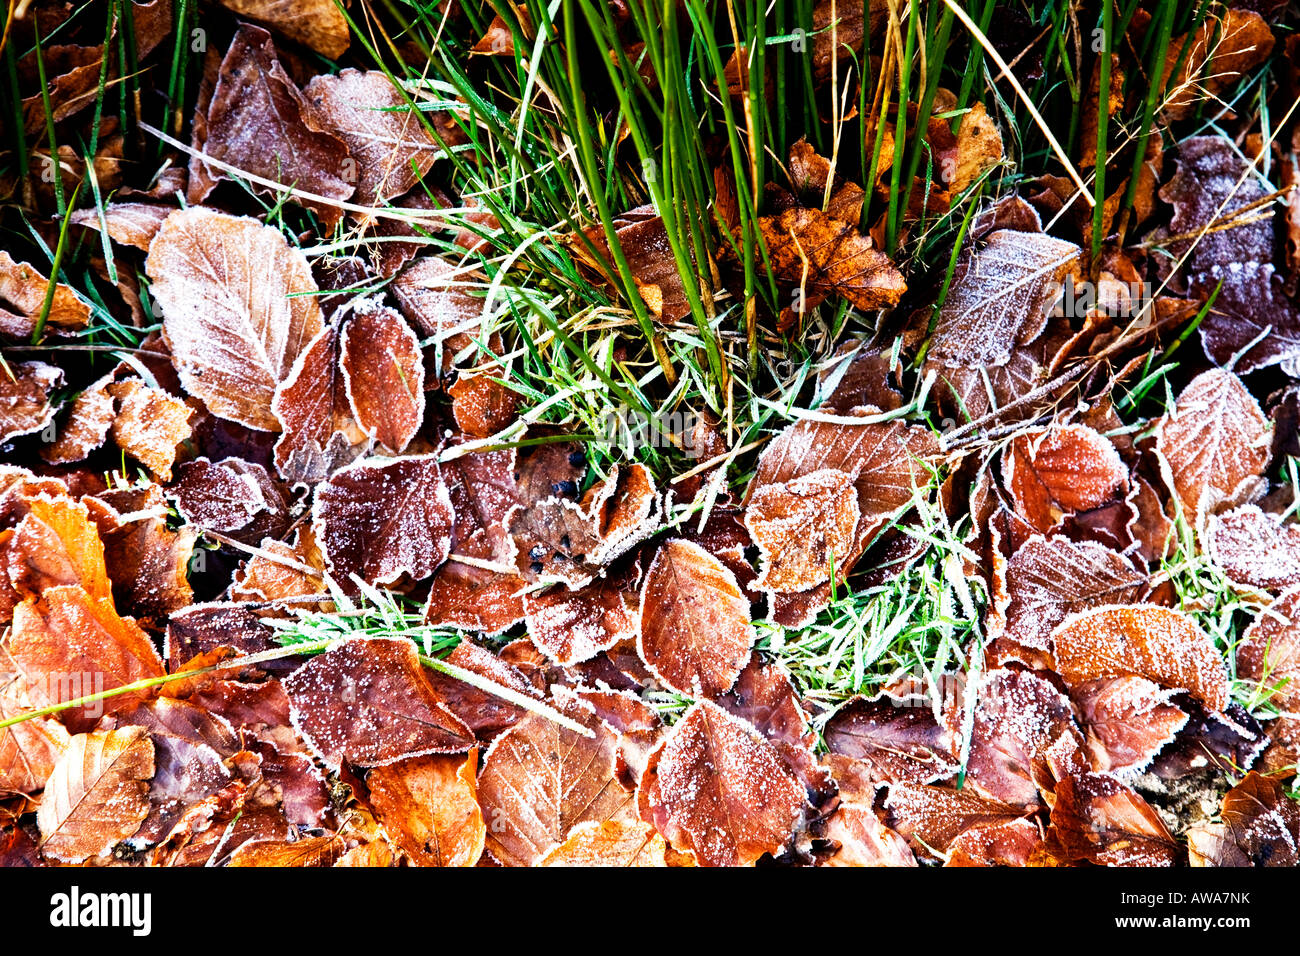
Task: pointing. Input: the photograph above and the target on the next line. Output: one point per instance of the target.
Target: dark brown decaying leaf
(238, 307)
(1158, 643)
(1215, 444)
(384, 521)
(226, 496)
(719, 789)
(695, 633)
(383, 374)
(96, 796)
(367, 702)
(892, 743)
(540, 780)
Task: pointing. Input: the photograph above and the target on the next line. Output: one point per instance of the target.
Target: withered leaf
(931, 817)
(609, 843)
(1269, 653)
(1253, 547)
(999, 844)
(309, 851)
(1061, 471)
(1261, 827)
(367, 701)
(238, 307)
(434, 294)
(1225, 46)
(475, 598)
(312, 408)
(716, 787)
(481, 404)
(1215, 443)
(385, 136)
(893, 743)
(129, 223)
(1050, 578)
(22, 298)
(86, 426)
(539, 781)
(65, 640)
(824, 256)
(28, 750)
(150, 424)
(57, 544)
(574, 626)
(383, 372)
(147, 561)
(429, 808)
(1158, 643)
(863, 840)
(25, 389)
(384, 521)
(256, 123)
(1100, 820)
(318, 24)
(97, 795)
(1128, 720)
(695, 632)
(227, 495)
(803, 527)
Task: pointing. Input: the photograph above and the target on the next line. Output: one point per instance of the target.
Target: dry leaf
(1269, 652)
(804, 528)
(890, 743)
(25, 389)
(1255, 548)
(321, 25)
(150, 424)
(863, 840)
(22, 298)
(383, 372)
(86, 427)
(1100, 820)
(1128, 720)
(428, 806)
(609, 843)
(1060, 471)
(57, 544)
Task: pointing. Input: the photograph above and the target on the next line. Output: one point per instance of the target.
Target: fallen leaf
(1269, 652)
(1254, 548)
(238, 307)
(22, 299)
(318, 24)
(429, 808)
(308, 851)
(150, 424)
(481, 405)
(695, 633)
(1060, 471)
(1128, 720)
(574, 626)
(804, 528)
(383, 373)
(57, 544)
(129, 223)
(863, 840)
(893, 743)
(931, 817)
(25, 406)
(1102, 821)
(1261, 827)
(86, 426)
(97, 795)
(367, 702)
(609, 843)
(29, 750)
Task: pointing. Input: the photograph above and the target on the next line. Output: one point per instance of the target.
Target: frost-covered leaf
(1269, 653)
(383, 372)
(150, 425)
(931, 817)
(22, 299)
(312, 408)
(147, 561)
(57, 544)
(892, 743)
(1158, 643)
(318, 24)
(65, 639)
(1100, 820)
(475, 598)
(609, 843)
(238, 306)
(1261, 827)
(1001, 297)
(999, 844)
(481, 405)
(25, 389)
(1127, 720)
(384, 135)
(97, 795)
(429, 808)
(863, 840)
(256, 123)
(312, 851)
(695, 632)
(716, 787)
(1215, 444)
(540, 780)
(573, 626)
(383, 521)
(367, 702)
(129, 223)
(1050, 578)
(86, 426)
(1060, 471)
(28, 750)
(1254, 548)
(803, 528)
(227, 496)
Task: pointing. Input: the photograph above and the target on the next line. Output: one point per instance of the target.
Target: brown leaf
(25, 389)
(428, 806)
(892, 743)
(695, 633)
(294, 571)
(257, 123)
(86, 426)
(147, 561)
(1215, 444)
(1269, 652)
(57, 544)
(717, 788)
(1049, 579)
(29, 750)
(69, 645)
(481, 405)
(385, 136)
(1225, 47)
(318, 24)
(804, 528)
(609, 843)
(309, 851)
(434, 295)
(150, 424)
(129, 223)
(931, 818)
(863, 840)
(539, 781)
(574, 626)
(824, 256)
(383, 372)
(1261, 827)
(1255, 548)
(97, 795)
(644, 240)
(384, 521)
(1158, 643)
(22, 298)
(1100, 820)
(999, 844)
(1128, 721)
(228, 496)
(312, 408)
(367, 701)
(475, 598)
(238, 307)
(1060, 471)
